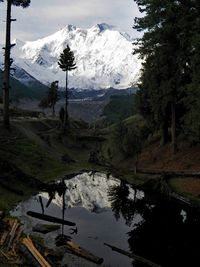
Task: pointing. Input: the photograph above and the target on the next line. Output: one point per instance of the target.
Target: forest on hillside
(169, 86)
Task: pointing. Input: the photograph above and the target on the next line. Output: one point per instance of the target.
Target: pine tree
(44, 103)
(53, 96)
(7, 59)
(51, 99)
(66, 63)
(191, 25)
(166, 50)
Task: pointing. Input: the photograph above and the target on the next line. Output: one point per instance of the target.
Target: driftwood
(27, 242)
(182, 199)
(76, 249)
(49, 218)
(133, 256)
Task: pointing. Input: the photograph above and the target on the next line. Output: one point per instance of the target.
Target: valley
(99, 134)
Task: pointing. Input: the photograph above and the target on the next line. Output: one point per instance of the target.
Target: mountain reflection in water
(112, 211)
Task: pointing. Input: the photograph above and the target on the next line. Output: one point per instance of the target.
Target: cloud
(45, 17)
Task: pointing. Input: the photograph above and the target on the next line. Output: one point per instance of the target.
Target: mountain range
(103, 56)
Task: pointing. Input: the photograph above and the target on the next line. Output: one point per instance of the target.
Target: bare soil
(161, 158)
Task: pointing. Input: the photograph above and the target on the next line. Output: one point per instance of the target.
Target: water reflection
(152, 227)
(122, 204)
(164, 236)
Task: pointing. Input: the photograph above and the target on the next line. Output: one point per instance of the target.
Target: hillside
(35, 151)
(119, 108)
(19, 90)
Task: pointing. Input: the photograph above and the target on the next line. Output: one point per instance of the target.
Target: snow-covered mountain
(84, 190)
(103, 56)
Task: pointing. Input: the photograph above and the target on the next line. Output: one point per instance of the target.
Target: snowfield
(103, 55)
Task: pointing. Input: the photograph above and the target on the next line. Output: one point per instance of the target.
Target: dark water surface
(154, 228)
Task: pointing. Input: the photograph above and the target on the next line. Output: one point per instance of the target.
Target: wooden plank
(4, 254)
(133, 256)
(49, 218)
(12, 233)
(18, 234)
(27, 242)
(76, 249)
(3, 238)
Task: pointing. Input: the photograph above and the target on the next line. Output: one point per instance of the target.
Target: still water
(107, 210)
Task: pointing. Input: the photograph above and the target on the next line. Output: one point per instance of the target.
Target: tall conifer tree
(66, 63)
(7, 59)
(166, 54)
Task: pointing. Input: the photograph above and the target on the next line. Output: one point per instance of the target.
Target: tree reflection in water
(163, 236)
(122, 204)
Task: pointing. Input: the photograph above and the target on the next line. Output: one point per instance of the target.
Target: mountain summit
(103, 56)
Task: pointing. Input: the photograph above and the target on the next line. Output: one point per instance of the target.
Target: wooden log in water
(27, 242)
(79, 251)
(49, 218)
(133, 256)
(45, 228)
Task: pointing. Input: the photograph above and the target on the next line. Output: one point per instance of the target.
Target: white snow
(103, 56)
(90, 192)
(87, 191)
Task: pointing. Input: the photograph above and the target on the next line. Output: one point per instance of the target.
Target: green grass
(119, 108)
(25, 147)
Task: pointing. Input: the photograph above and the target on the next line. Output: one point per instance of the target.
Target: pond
(107, 210)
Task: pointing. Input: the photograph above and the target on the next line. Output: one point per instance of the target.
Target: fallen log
(79, 251)
(49, 218)
(45, 228)
(133, 256)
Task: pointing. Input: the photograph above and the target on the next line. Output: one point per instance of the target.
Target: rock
(45, 228)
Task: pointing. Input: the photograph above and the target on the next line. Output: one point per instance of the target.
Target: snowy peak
(102, 27)
(71, 28)
(103, 56)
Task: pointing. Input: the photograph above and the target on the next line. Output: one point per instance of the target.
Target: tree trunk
(6, 79)
(136, 163)
(164, 133)
(53, 110)
(173, 127)
(63, 208)
(66, 122)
